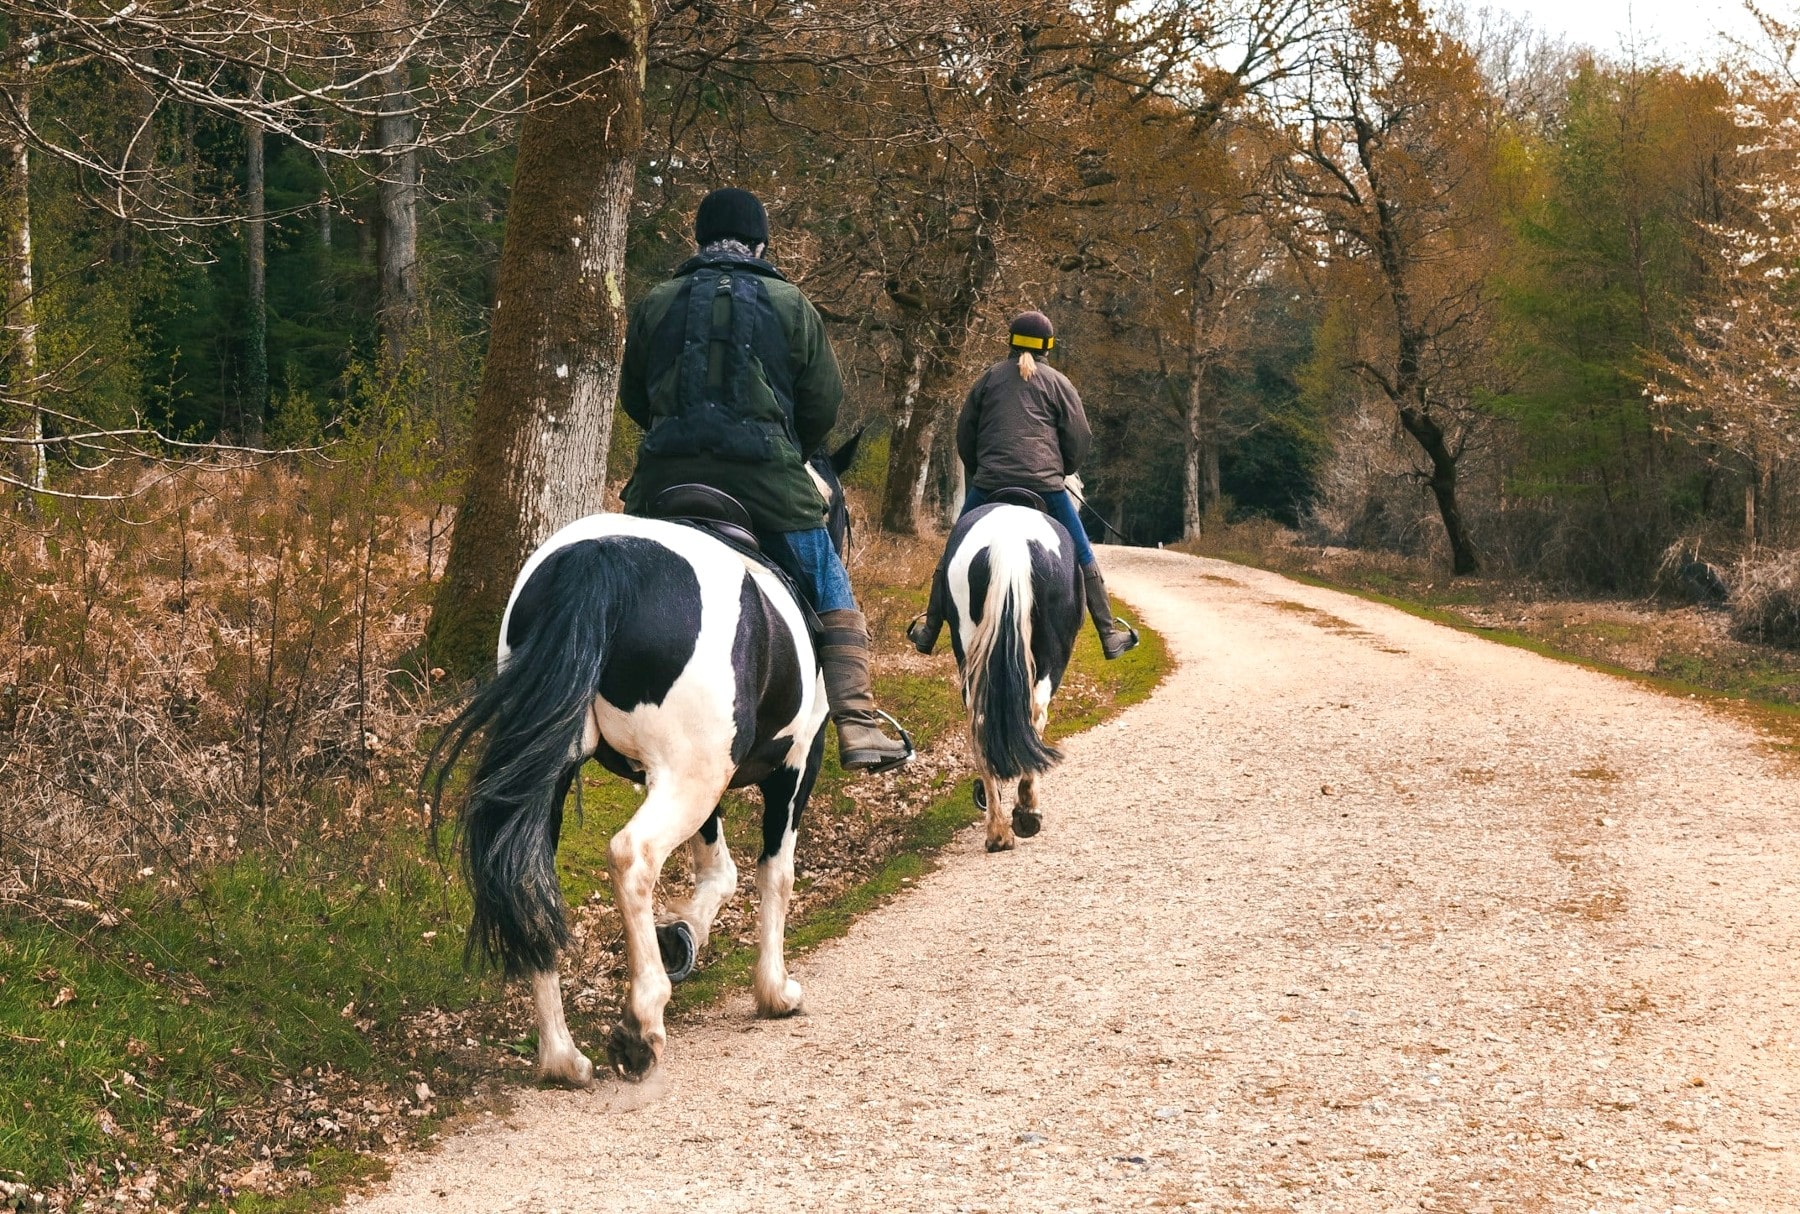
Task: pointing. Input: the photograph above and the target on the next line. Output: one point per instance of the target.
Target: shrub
(1765, 607)
(230, 661)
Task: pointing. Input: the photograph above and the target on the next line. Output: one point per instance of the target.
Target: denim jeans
(812, 561)
(1062, 509)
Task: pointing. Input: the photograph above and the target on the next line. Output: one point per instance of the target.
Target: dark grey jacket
(1025, 432)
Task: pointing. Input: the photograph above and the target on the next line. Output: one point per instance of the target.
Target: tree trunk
(909, 467)
(397, 240)
(908, 449)
(1430, 437)
(23, 418)
(1200, 455)
(959, 488)
(256, 356)
(543, 418)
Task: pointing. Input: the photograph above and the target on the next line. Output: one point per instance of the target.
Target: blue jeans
(1062, 509)
(812, 561)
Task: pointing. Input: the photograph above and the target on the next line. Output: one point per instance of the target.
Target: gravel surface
(1355, 913)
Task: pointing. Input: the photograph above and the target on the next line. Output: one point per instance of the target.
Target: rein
(1083, 502)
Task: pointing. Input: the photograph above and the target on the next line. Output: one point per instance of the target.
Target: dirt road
(1356, 913)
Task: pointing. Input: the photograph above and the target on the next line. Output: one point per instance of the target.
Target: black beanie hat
(1032, 331)
(733, 214)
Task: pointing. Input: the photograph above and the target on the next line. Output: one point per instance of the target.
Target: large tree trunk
(256, 355)
(543, 418)
(23, 418)
(1430, 437)
(397, 241)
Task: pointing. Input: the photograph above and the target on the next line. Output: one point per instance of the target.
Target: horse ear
(844, 456)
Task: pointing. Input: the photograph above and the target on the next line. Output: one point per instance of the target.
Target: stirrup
(906, 740)
(1131, 641)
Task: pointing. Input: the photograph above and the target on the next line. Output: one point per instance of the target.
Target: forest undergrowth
(230, 959)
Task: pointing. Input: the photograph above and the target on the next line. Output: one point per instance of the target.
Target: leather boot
(923, 631)
(1116, 636)
(863, 746)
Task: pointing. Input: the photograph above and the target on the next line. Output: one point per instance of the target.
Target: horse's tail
(1000, 674)
(535, 711)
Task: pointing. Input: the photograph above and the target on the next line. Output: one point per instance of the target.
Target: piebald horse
(684, 666)
(1014, 608)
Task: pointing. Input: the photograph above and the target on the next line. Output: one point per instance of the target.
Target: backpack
(718, 420)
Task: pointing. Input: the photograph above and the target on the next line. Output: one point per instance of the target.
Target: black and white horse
(681, 665)
(1014, 608)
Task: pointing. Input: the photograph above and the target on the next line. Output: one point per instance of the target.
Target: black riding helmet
(1031, 331)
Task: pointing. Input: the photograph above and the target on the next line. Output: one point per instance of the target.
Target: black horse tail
(535, 711)
(1000, 674)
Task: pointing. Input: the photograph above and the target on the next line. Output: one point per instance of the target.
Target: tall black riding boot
(1116, 636)
(844, 659)
(923, 631)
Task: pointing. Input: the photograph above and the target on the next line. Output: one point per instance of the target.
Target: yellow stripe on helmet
(1033, 343)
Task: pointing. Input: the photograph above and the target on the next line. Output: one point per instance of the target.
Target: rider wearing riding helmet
(1023, 427)
(729, 372)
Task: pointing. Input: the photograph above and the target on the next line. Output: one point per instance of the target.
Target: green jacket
(778, 492)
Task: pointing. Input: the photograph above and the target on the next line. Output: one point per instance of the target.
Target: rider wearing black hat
(1023, 427)
(729, 372)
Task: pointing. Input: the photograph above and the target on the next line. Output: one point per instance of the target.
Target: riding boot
(923, 631)
(844, 658)
(1116, 636)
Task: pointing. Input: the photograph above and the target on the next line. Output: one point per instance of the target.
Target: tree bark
(544, 414)
(24, 420)
(256, 356)
(909, 444)
(1430, 436)
(1200, 456)
(397, 240)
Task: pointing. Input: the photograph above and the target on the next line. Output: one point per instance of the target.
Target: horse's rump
(1013, 616)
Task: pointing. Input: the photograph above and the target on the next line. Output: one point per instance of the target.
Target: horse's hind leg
(676, 806)
(988, 799)
(558, 1059)
(784, 797)
(1026, 821)
(684, 930)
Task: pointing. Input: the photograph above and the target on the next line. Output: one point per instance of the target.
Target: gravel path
(1355, 913)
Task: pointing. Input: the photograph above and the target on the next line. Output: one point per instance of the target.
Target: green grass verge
(127, 1046)
(144, 1039)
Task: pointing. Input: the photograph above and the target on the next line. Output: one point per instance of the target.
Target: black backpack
(715, 419)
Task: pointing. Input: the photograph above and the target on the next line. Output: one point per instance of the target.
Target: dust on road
(1355, 913)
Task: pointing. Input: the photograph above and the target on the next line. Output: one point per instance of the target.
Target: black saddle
(724, 518)
(710, 510)
(1018, 495)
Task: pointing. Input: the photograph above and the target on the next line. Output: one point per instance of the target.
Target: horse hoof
(631, 1056)
(994, 845)
(1025, 823)
(783, 1003)
(572, 1072)
(676, 943)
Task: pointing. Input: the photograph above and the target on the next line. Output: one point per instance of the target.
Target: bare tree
(1387, 176)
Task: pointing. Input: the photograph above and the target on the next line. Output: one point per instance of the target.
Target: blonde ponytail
(1027, 365)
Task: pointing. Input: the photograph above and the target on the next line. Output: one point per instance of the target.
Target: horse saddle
(708, 509)
(724, 518)
(1018, 495)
